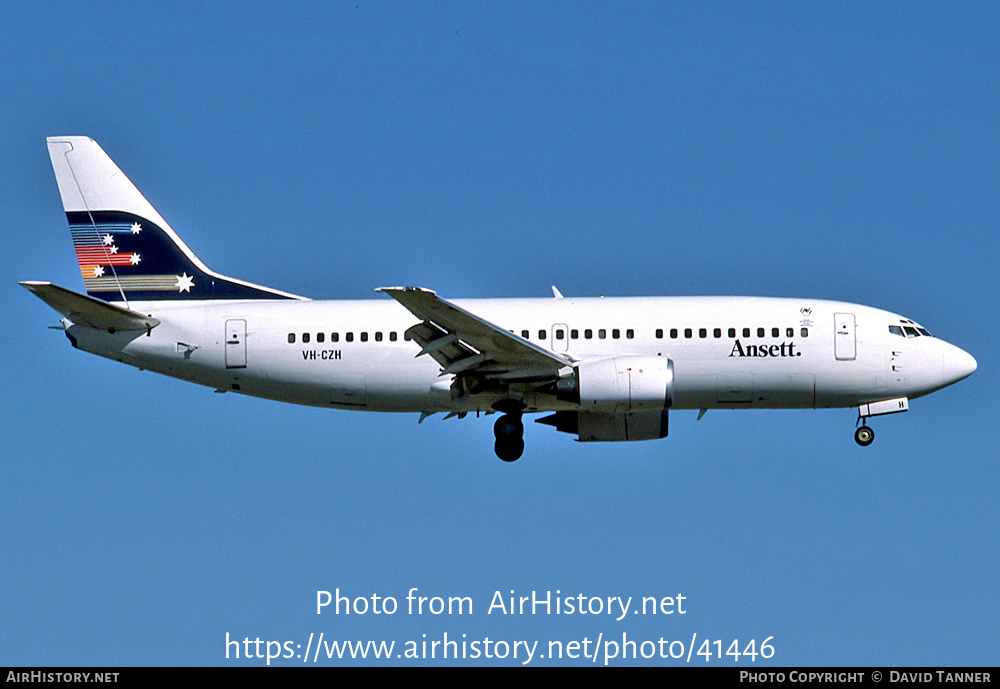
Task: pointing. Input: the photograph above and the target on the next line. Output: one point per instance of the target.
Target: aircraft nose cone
(958, 364)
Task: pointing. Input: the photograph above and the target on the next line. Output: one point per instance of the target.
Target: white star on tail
(184, 283)
(98, 271)
(136, 228)
(135, 259)
(108, 239)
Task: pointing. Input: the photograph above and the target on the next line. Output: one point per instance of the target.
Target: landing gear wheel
(508, 426)
(509, 450)
(509, 430)
(864, 436)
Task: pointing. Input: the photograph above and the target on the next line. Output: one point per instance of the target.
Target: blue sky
(792, 149)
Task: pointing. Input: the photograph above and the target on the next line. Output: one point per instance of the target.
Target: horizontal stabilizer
(88, 311)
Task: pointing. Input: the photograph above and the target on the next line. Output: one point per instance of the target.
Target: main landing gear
(509, 430)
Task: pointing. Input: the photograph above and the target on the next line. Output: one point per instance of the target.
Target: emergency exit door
(560, 337)
(236, 344)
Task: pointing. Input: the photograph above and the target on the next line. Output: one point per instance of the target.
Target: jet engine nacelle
(620, 384)
(622, 398)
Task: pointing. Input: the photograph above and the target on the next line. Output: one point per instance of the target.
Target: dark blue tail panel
(124, 257)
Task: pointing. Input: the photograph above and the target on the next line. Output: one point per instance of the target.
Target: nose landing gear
(864, 436)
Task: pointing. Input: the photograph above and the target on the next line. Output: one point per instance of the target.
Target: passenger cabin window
(378, 337)
(320, 337)
(588, 334)
(541, 334)
(364, 337)
(524, 334)
(392, 336)
(349, 337)
(305, 338)
(574, 334)
(805, 332)
(630, 334)
(790, 332)
(688, 332)
(659, 333)
(760, 332)
(732, 332)
(334, 337)
(717, 332)
(673, 333)
(746, 332)
(602, 334)
(291, 337)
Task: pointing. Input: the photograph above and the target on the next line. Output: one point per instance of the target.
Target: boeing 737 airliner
(605, 369)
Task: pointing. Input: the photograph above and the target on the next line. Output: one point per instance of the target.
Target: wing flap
(442, 346)
(88, 311)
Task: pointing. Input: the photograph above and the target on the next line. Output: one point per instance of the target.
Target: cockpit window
(909, 329)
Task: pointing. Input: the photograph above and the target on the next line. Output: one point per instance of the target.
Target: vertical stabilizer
(126, 250)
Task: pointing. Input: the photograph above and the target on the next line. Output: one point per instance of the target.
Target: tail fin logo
(124, 257)
(117, 255)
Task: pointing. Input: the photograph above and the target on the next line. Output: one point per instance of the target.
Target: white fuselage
(727, 352)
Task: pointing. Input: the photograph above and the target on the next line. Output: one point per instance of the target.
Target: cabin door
(845, 347)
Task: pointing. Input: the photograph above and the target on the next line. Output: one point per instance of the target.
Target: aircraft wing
(465, 343)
